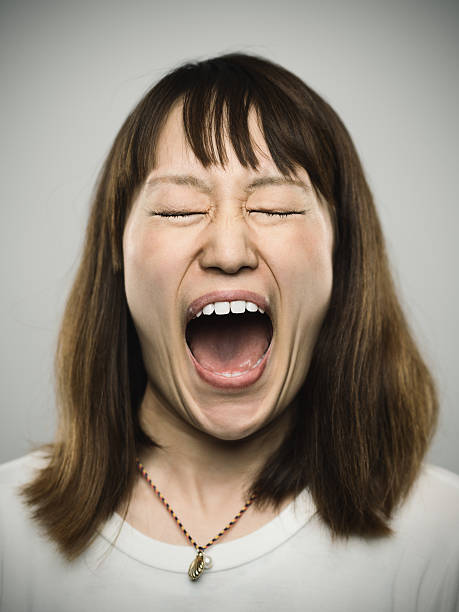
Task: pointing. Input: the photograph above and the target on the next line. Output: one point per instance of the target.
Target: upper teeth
(222, 308)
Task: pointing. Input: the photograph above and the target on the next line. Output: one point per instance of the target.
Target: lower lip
(231, 382)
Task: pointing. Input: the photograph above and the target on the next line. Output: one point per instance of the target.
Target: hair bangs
(216, 108)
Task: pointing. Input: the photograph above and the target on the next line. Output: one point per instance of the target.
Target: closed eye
(175, 215)
(269, 213)
(273, 213)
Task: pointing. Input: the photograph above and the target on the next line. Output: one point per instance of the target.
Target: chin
(232, 424)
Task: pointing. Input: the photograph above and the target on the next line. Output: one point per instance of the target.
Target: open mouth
(230, 345)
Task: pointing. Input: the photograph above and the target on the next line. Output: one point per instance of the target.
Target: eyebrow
(192, 181)
(277, 180)
(181, 179)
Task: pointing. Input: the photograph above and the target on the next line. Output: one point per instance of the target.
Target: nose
(228, 244)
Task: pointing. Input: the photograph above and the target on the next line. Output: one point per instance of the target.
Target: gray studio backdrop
(71, 71)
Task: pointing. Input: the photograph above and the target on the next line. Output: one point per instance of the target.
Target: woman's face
(226, 374)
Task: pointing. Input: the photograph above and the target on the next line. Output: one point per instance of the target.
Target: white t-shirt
(289, 564)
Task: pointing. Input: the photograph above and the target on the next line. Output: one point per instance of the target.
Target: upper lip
(227, 296)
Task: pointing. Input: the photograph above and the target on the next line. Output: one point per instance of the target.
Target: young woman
(243, 411)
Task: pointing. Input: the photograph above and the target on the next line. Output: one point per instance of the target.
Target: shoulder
(433, 501)
(427, 522)
(18, 472)
(442, 478)
(435, 494)
(20, 536)
(425, 544)
(14, 475)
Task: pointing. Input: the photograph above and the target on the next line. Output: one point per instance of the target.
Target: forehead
(173, 151)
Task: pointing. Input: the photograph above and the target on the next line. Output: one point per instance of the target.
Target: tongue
(230, 343)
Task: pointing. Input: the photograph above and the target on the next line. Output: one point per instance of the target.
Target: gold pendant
(198, 565)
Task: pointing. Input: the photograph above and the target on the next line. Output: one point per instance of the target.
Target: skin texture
(214, 440)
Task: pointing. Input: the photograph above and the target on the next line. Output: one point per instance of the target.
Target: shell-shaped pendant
(197, 566)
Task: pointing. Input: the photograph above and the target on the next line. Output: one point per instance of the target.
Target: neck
(193, 465)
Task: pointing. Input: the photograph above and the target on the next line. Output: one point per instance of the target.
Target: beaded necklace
(201, 561)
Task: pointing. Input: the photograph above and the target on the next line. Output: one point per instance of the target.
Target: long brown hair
(367, 410)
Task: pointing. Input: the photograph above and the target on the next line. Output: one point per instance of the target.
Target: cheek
(304, 264)
(151, 263)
